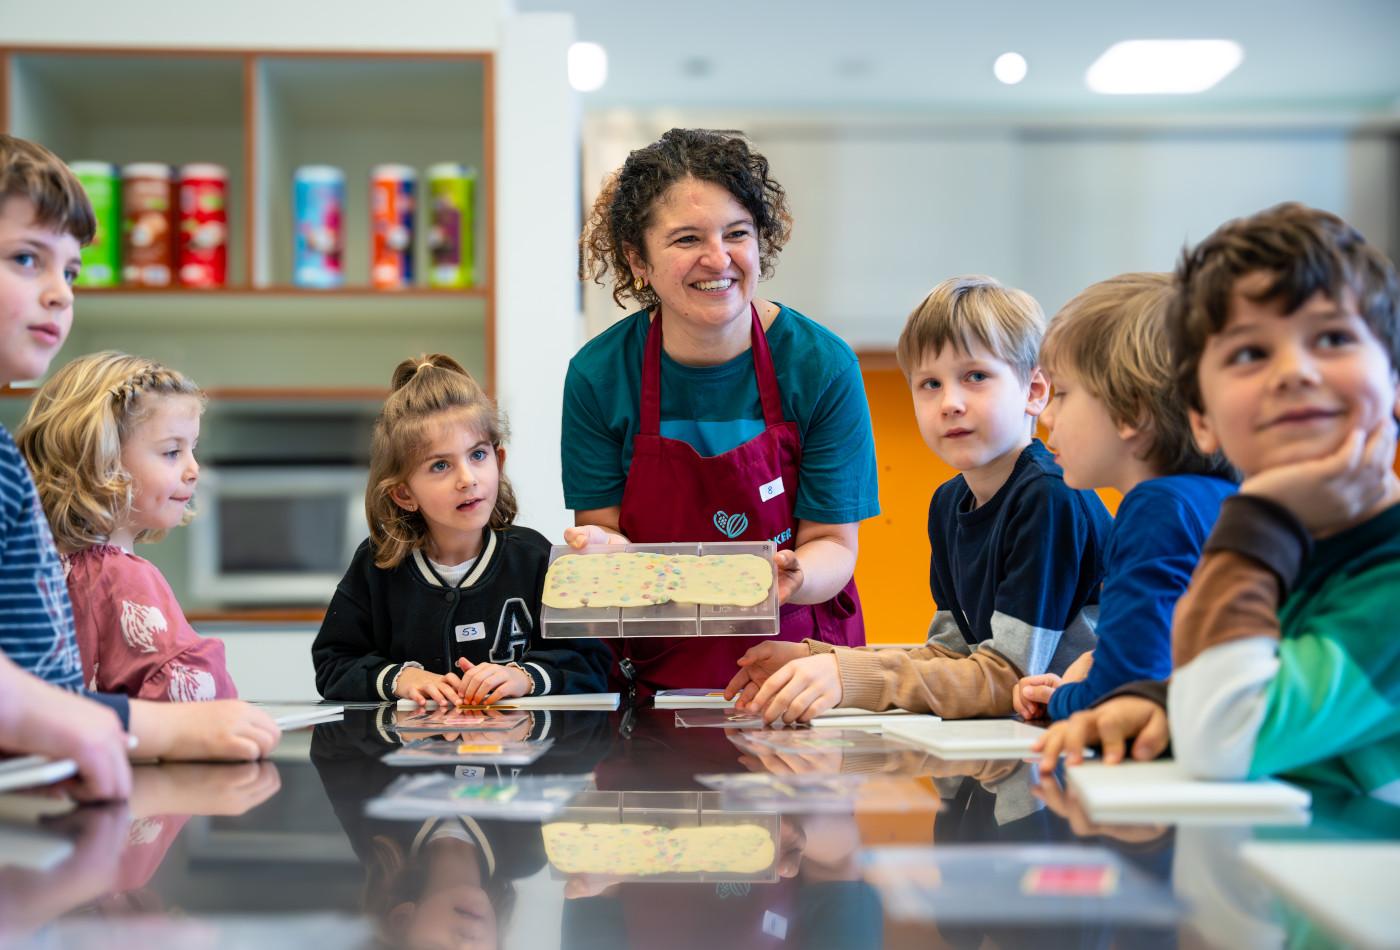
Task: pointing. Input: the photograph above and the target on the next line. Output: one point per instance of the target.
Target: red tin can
(203, 225)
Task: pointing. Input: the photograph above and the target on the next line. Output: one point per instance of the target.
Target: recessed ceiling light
(588, 66)
(1143, 67)
(1010, 68)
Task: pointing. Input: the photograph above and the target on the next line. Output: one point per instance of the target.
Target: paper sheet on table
(290, 716)
(1162, 791)
(556, 701)
(26, 771)
(1348, 886)
(968, 738)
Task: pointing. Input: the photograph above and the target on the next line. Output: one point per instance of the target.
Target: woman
(711, 414)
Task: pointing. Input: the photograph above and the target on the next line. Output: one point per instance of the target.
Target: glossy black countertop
(281, 853)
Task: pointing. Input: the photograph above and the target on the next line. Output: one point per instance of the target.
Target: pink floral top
(132, 634)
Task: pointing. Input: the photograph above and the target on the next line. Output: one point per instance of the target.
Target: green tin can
(102, 257)
(450, 192)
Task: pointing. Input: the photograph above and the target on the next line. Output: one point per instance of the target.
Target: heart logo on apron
(731, 526)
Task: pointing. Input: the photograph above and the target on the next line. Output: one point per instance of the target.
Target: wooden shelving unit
(261, 113)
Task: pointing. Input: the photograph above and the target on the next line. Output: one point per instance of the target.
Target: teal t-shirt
(717, 408)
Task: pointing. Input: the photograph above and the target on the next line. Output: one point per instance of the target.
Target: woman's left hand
(790, 575)
(486, 683)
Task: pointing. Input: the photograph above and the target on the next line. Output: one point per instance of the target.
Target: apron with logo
(746, 494)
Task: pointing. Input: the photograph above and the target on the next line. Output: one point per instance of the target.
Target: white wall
(537, 308)
(258, 24)
(885, 209)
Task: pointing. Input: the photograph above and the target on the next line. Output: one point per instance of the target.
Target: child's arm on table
(224, 730)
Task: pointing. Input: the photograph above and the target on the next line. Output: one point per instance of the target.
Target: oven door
(276, 535)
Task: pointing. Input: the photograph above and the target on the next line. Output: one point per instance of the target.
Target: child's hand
(1327, 494)
(790, 575)
(801, 689)
(1112, 725)
(224, 730)
(38, 718)
(759, 663)
(1031, 695)
(588, 535)
(486, 683)
(445, 689)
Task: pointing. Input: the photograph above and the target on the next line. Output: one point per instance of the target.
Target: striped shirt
(36, 617)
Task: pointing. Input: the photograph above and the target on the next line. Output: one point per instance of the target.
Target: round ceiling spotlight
(1010, 68)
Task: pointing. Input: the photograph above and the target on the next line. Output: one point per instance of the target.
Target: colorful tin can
(203, 260)
(148, 245)
(392, 189)
(318, 202)
(102, 256)
(450, 188)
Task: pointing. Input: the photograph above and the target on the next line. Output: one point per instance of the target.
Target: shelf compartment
(120, 108)
(355, 113)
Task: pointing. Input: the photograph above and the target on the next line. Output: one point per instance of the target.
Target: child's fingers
(1113, 737)
(1079, 734)
(1049, 746)
(1037, 693)
(1152, 741)
(771, 686)
(740, 680)
(464, 664)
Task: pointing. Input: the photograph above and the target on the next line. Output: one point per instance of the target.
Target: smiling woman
(712, 414)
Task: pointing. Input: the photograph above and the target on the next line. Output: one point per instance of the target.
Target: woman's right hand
(420, 686)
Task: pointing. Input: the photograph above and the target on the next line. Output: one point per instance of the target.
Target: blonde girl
(110, 439)
(442, 602)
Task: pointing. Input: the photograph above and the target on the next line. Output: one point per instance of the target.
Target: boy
(1115, 421)
(1015, 554)
(1286, 345)
(45, 218)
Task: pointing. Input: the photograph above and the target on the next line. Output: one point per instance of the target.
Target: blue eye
(930, 384)
(739, 234)
(438, 466)
(479, 455)
(71, 276)
(25, 259)
(977, 376)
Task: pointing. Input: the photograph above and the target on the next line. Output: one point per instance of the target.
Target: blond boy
(1015, 554)
(1116, 421)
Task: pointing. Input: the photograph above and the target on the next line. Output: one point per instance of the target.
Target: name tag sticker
(771, 490)
(775, 925)
(468, 632)
(472, 773)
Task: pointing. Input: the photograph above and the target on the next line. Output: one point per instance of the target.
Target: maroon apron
(746, 494)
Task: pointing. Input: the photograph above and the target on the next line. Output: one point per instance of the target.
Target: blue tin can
(318, 203)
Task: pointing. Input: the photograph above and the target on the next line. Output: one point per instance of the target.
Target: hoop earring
(638, 284)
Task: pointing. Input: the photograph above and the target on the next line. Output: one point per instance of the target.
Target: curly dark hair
(1304, 250)
(623, 209)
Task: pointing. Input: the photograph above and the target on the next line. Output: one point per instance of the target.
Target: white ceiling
(1300, 55)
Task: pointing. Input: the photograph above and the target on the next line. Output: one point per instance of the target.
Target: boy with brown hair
(1116, 421)
(1286, 342)
(45, 218)
(1016, 555)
